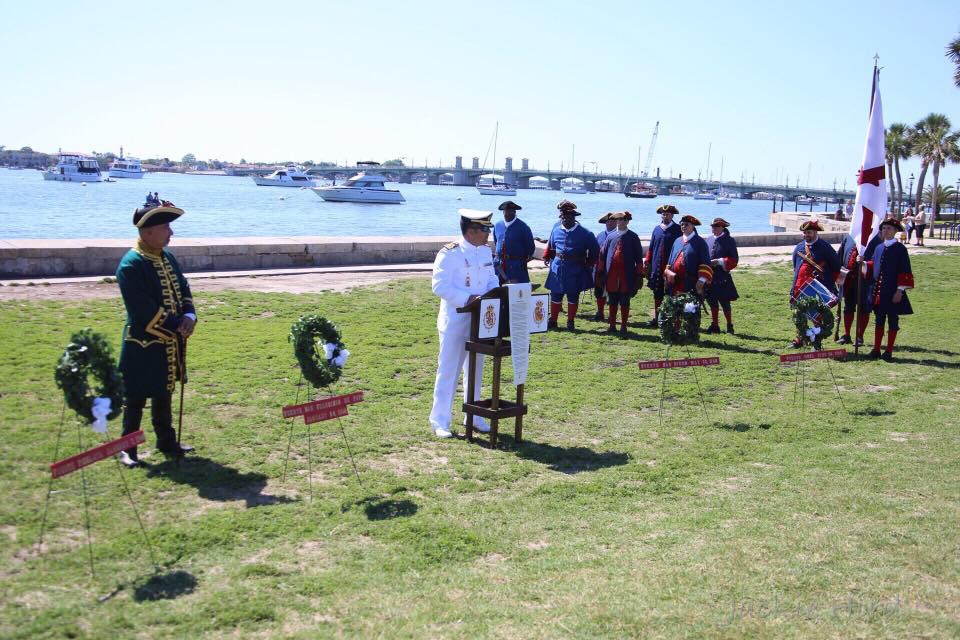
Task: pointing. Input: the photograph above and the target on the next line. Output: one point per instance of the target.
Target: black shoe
(714, 328)
(598, 317)
(844, 339)
(552, 324)
(653, 324)
(729, 328)
(177, 451)
(570, 325)
(610, 329)
(127, 460)
(858, 343)
(873, 355)
(887, 356)
(623, 331)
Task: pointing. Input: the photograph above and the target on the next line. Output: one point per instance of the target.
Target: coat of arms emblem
(538, 312)
(489, 317)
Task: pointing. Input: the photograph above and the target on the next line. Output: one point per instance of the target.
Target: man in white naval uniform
(462, 271)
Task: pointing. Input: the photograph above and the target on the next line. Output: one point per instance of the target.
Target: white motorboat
(496, 190)
(704, 195)
(290, 176)
(572, 185)
(74, 167)
(363, 187)
(124, 167)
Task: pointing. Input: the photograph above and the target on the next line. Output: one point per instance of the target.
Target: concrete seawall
(99, 257)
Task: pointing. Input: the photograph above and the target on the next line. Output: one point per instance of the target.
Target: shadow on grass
(565, 459)
(377, 509)
(870, 411)
(215, 481)
(897, 359)
(940, 352)
(165, 586)
(741, 427)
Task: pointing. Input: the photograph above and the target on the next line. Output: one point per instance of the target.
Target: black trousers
(161, 414)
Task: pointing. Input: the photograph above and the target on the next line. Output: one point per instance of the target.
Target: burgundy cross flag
(871, 204)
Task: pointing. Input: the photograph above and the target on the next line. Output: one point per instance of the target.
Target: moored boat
(363, 187)
(291, 176)
(74, 167)
(126, 167)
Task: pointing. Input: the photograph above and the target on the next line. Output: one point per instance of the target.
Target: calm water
(31, 207)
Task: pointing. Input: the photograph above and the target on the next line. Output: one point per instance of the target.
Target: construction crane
(653, 145)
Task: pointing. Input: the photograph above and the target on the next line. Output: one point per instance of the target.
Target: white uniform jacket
(461, 270)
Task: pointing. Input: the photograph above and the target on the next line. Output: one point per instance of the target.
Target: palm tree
(946, 195)
(953, 53)
(936, 145)
(897, 147)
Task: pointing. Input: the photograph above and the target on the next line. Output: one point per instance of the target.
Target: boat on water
(290, 176)
(641, 190)
(366, 186)
(74, 167)
(704, 195)
(494, 188)
(125, 167)
(806, 200)
(721, 195)
(572, 185)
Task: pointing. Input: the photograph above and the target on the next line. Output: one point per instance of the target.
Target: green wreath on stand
(319, 351)
(89, 354)
(807, 308)
(679, 319)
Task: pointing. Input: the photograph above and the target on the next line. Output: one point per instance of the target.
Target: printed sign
(489, 318)
(672, 364)
(325, 414)
(518, 301)
(90, 456)
(813, 355)
(539, 308)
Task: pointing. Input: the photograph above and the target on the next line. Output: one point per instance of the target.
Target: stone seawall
(99, 257)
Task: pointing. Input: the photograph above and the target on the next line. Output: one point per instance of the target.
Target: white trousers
(450, 364)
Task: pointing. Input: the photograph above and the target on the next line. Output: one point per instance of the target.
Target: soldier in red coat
(621, 269)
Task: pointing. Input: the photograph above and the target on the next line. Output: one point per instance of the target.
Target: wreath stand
(696, 378)
(802, 308)
(495, 408)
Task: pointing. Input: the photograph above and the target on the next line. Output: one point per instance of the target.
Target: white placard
(489, 318)
(518, 296)
(539, 310)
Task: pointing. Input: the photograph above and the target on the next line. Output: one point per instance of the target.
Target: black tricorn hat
(509, 204)
(667, 208)
(151, 216)
(691, 219)
(566, 204)
(719, 222)
(892, 222)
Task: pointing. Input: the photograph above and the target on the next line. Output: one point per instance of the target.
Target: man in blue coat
(621, 268)
(160, 318)
(513, 245)
(661, 241)
(571, 253)
(847, 285)
(598, 293)
(890, 277)
(688, 267)
(813, 259)
(723, 258)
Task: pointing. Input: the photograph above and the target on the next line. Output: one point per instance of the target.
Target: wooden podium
(495, 408)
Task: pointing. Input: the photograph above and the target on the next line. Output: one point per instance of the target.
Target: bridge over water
(460, 175)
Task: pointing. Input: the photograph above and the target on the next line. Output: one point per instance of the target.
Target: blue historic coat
(597, 270)
(631, 248)
(156, 296)
(513, 246)
(889, 269)
(571, 254)
(723, 247)
(848, 253)
(694, 256)
(661, 242)
(823, 254)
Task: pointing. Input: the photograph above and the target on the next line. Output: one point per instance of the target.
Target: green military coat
(156, 296)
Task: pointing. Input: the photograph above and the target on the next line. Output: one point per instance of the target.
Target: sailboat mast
(709, 149)
(496, 132)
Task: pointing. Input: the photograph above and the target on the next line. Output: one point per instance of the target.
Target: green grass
(766, 519)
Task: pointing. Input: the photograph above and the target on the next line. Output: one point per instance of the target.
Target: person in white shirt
(462, 272)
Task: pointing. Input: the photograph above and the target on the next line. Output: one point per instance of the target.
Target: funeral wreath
(805, 308)
(319, 351)
(679, 319)
(89, 355)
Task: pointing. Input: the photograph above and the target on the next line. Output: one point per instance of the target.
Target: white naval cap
(476, 216)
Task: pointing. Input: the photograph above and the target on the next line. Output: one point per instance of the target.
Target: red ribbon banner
(331, 405)
(90, 456)
(813, 355)
(672, 364)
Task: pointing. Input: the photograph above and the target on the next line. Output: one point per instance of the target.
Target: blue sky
(778, 89)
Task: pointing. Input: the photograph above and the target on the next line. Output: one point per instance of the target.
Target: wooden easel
(495, 408)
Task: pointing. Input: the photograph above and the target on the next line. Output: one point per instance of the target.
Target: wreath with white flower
(806, 308)
(89, 354)
(319, 351)
(679, 319)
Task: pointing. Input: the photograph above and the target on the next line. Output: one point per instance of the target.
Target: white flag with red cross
(870, 207)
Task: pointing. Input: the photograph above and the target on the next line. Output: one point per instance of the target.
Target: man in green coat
(160, 318)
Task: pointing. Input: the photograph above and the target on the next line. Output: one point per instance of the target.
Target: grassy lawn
(765, 518)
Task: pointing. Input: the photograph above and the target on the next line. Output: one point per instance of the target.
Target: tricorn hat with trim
(566, 204)
(667, 208)
(892, 222)
(621, 215)
(719, 222)
(509, 204)
(691, 219)
(811, 225)
(154, 215)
